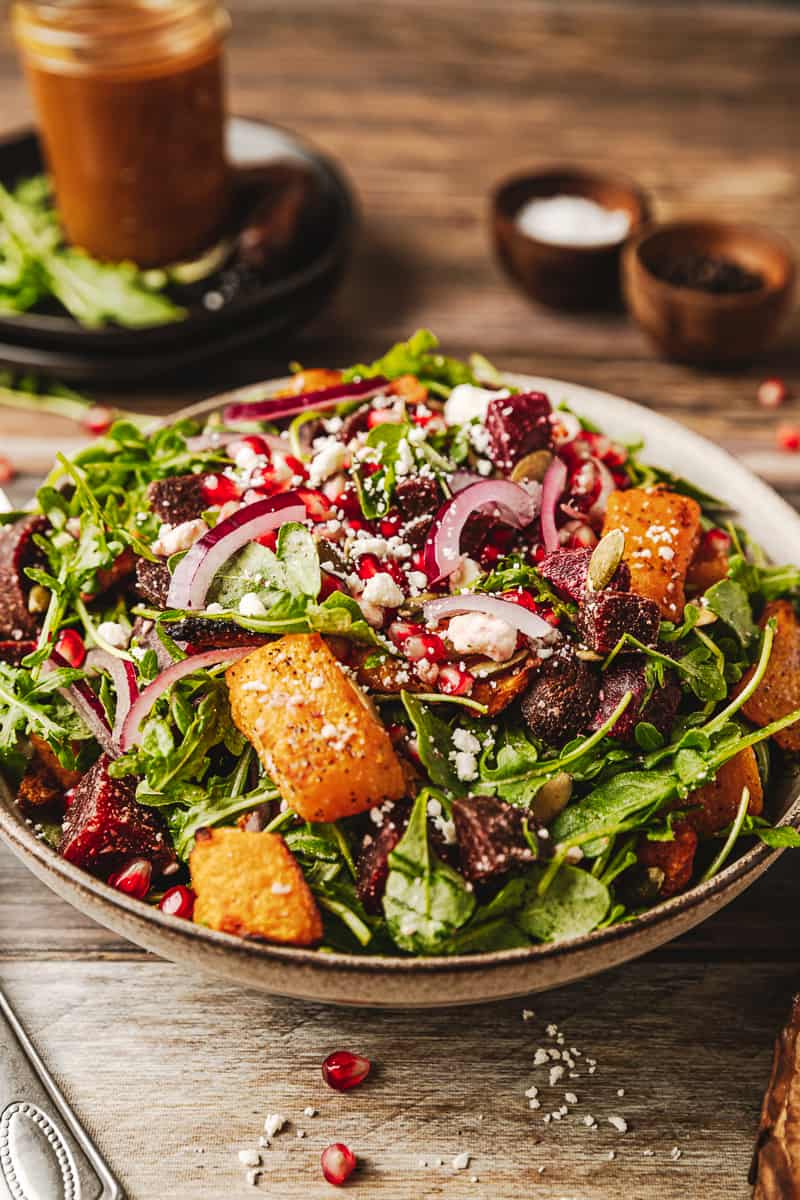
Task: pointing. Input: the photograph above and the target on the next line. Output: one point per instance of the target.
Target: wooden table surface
(428, 102)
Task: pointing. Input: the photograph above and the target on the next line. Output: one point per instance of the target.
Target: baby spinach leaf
(293, 569)
(435, 743)
(574, 904)
(418, 356)
(729, 600)
(425, 901)
(607, 808)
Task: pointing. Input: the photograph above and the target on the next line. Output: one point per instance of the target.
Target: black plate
(59, 345)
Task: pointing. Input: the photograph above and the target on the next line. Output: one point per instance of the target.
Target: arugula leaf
(513, 572)
(574, 904)
(425, 901)
(418, 356)
(645, 475)
(37, 265)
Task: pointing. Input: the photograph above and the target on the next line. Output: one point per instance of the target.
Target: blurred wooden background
(427, 103)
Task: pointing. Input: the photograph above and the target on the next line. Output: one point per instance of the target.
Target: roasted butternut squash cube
(250, 884)
(328, 753)
(708, 567)
(661, 530)
(779, 691)
(715, 804)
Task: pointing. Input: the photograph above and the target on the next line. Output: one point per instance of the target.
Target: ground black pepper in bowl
(705, 273)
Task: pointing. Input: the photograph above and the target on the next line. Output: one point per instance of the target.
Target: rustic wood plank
(175, 1073)
(428, 103)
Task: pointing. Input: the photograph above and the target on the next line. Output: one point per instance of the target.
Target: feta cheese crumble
(482, 633)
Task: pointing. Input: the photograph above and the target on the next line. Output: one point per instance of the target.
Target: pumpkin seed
(606, 557)
(487, 667)
(552, 797)
(532, 468)
(707, 617)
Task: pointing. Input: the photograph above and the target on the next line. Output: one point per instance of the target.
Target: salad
(399, 660)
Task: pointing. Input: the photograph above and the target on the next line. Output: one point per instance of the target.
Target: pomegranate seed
(717, 541)
(69, 797)
(219, 489)
(368, 565)
(548, 615)
(579, 535)
(539, 553)
(338, 1163)
(268, 539)
(133, 879)
(70, 646)
(390, 525)
(772, 393)
(7, 470)
(401, 631)
(347, 501)
(98, 419)
(343, 1070)
(370, 468)
(522, 598)
(425, 645)
(317, 504)
(355, 524)
(384, 416)
(253, 442)
(615, 456)
(788, 437)
(296, 466)
(330, 584)
(455, 682)
(266, 481)
(490, 555)
(178, 902)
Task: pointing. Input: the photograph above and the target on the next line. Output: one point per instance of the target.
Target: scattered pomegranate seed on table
(343, 1070)
(178, 902)
(772, 393)
(788, 437)
(338, 1163)
(7, 470)
(133, 879)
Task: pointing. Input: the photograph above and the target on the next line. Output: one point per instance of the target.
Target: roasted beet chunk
(105, 826)
(178, 499)
(607, 615)
(490, 837)
(198, 633)
(516, 426)
(373, 861)
(152, 581)
(568, 571)
(629, 676)
(562, 698)
(418, 496)
(18, 551)
(13, 651)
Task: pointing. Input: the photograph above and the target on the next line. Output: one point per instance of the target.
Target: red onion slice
(553, 485)
(129, 734)
(520, 618)
(197, 568)
(85, 703)
(607, 486)
(287, 406)
(126, 687)
(514, 505)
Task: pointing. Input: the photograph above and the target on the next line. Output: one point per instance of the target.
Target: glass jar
(130, 100)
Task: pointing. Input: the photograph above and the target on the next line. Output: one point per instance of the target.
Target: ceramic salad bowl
(378, 981)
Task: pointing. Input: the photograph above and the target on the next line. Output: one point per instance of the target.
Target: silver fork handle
(45, 1154)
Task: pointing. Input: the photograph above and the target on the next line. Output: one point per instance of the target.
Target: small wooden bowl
(563, 276)
(701, 327)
